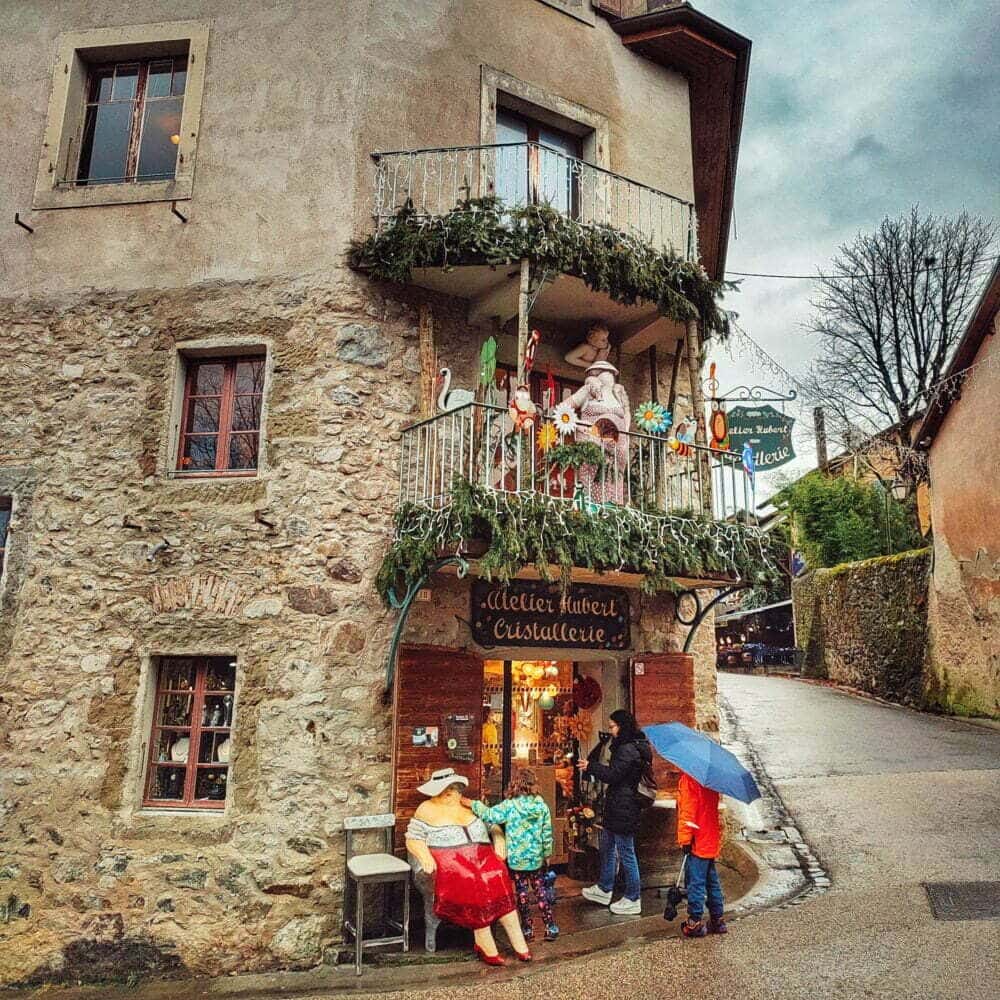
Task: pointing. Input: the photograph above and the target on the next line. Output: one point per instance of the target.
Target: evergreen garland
(535, 529)
(573, 454)
(484, 231)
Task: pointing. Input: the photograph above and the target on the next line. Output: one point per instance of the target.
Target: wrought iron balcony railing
(434, 181)
(476, 442)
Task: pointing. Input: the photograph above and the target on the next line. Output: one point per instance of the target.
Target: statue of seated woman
(451, 853)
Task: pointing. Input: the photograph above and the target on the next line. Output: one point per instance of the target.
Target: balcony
(626, 228)
(469, 482)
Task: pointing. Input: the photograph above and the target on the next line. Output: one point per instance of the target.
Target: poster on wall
(766, 431)
(425, 736)
(535, 613)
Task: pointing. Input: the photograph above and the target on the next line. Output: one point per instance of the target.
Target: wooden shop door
(437, 688)
(663, 691)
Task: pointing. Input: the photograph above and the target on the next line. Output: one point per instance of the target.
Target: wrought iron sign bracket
(700, 612)
(402, 605)
(754, 394)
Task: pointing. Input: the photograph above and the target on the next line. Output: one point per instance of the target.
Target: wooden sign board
(535, 613)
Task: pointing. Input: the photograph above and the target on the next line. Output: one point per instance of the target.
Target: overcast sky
(855, 110)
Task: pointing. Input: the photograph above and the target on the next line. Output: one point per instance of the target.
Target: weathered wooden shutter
(663, 691)
(433, 682)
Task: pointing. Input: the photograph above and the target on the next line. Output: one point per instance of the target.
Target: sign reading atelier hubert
(768, 432)
(534, 613)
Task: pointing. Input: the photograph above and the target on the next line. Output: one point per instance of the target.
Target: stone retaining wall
(864, 624)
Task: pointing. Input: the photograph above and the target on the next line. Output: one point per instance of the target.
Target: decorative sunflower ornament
(547, 436)
(565, 418)
(652, 418)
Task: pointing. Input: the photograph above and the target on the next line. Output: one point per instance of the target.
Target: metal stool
(366, 869)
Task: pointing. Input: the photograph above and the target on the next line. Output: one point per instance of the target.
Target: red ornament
(586, 692)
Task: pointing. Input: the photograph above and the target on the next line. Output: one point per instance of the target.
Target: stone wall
(864, 624)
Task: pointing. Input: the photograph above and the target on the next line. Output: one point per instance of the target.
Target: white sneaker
(596, 895)
(627, 907)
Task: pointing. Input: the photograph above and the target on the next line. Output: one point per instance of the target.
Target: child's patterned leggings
(526, 883)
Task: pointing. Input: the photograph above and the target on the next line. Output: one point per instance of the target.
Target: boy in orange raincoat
(699, 834)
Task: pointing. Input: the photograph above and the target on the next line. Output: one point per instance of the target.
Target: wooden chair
(361, 870)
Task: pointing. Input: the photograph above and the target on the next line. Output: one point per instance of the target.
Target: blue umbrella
(702, 758)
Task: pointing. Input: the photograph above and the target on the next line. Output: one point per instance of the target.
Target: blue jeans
(615, 848)
(701, 878)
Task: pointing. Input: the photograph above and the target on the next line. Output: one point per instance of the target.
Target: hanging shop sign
(768, 432)
(535, 613)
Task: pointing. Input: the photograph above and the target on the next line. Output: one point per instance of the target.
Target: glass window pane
(180, 77)
(199, 453)
(215, 711)
(250, 376)
(4, 524)
(211, 783)
(203, 415)
(243, 451)
(175, 710)
(100, 84)
(161, 127)
(246, 413)
(221, 676)
(208, 379)
(168, 783)
(172, 746)
(105, 143)
(158, 83)
(126, 81)
(177, 675)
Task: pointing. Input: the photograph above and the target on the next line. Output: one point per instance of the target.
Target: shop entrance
(543, 714)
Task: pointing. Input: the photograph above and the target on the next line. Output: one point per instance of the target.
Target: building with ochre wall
(203, 413)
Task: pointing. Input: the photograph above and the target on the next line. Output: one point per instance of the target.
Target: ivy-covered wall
(864, 624)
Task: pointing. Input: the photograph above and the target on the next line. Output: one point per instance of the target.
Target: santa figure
(522, 411)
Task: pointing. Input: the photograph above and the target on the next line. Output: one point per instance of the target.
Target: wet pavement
(883, 798)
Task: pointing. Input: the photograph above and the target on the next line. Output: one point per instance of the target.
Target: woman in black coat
(631, 758)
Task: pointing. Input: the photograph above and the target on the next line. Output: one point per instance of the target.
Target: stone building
(202, 413)
(962, 669)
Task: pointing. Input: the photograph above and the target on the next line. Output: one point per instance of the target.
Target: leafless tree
(891, 309)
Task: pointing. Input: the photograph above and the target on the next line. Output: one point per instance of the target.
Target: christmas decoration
(522, 410)
(536, 529)
(488, 362)
(488, 231)
(651, 417)
(529, 352)
(586, 693)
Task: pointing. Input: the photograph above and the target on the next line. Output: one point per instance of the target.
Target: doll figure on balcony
(522, 411)
(597, 347)
(605, 416)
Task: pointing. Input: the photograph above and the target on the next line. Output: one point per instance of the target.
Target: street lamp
(899, 489)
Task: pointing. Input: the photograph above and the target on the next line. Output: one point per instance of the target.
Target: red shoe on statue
(488, 959)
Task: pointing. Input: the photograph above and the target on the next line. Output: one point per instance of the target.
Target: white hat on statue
(602, 366)
(440, 780)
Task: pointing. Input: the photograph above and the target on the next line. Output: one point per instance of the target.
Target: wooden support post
(523, 319)
(693, 341)
(674, 371)
(654, 378)
(428, 361)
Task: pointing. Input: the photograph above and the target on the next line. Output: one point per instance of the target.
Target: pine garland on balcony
(484, 231)
(535, 529)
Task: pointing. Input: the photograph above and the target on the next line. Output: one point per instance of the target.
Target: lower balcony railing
(477, 442)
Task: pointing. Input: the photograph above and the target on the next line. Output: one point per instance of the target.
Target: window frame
(137, 120)
(79, 52)
(7, 506)
(226, 398)
(198, 694)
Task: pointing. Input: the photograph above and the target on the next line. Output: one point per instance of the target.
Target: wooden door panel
(432, 683)
(663, 691)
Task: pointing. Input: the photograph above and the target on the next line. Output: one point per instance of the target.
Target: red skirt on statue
(472, 887)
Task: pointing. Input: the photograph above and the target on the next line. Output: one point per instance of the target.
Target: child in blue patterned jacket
(527, 826)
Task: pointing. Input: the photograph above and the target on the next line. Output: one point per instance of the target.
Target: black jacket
(622, 805)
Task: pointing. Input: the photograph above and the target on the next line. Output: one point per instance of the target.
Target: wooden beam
(674, 370)
(428, 361)
(523, 319)
(654, 389)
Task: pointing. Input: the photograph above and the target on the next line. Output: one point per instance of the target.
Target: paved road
(888, 798)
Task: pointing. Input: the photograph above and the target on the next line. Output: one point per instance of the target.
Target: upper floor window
(536, 163)
(132, 121)
(5, 509)
(220, 420)
(191, 732)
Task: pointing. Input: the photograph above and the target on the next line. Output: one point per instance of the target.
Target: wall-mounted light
(175, 139)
